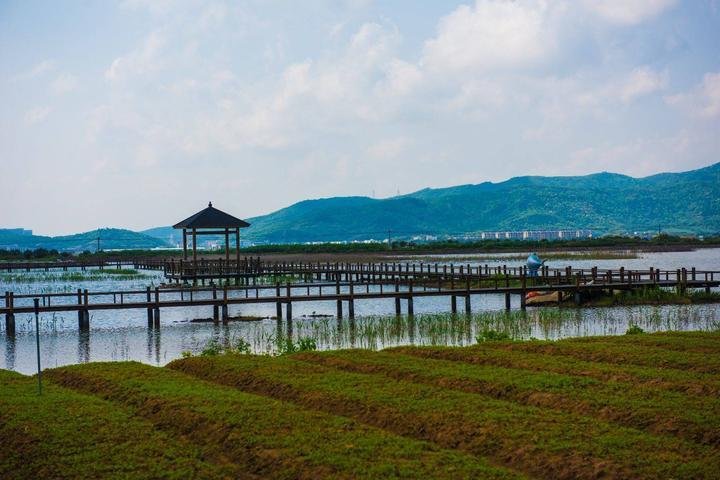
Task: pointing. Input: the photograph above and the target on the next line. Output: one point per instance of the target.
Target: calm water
(123, 335)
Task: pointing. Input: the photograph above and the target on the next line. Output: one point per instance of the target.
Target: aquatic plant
(634, 330)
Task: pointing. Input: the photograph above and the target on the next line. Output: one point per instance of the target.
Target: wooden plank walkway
(345, 282)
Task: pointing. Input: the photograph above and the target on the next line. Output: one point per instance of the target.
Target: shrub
(212, 348)
(241, 347)
(634, 330)
(491, 335)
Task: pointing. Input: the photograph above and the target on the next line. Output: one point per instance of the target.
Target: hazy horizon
(134, 114)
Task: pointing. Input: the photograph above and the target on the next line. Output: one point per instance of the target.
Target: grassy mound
(66, 434)
(269, 438)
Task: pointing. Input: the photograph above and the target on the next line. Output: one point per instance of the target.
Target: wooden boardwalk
(341, 283)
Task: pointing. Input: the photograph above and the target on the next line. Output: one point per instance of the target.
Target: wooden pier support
(398, 310)
(225, 317)
(507, 301)
(9, 317)
(339, 302)
(278, 304)
(216, 309)
(411, 308)
(149, 310)
(351, 302)
(453, 304)
(83, 313)
(351, 309)
(81, 317)
(289, 307)
(468, 307)
(156, 309)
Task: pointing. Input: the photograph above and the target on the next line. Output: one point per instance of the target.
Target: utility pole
(36, 304)
(97, 249)
(389, 239)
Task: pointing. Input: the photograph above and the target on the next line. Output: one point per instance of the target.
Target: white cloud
(64, 83)
(626, 88)
(642, 81)
(628, 12)
(37, 70)
(645, 155)
(491, 34)
(401, 78)
(704, 100)
(36, 115)
(140, 61)
(315, 97)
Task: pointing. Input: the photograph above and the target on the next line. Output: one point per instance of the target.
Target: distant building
(15, 231)
(536, 234)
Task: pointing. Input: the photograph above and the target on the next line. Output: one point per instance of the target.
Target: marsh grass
(377, 332)
(655, 296)
(73, 276)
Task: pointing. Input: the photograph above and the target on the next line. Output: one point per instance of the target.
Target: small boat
(542, 297)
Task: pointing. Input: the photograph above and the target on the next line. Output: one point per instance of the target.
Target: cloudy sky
(136, 113)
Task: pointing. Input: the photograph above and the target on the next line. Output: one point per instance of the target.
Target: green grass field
(634, 406)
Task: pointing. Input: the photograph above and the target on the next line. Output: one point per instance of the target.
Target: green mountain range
(687, 202)
(105, 238)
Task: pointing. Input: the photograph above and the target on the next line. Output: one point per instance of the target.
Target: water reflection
(10, 351)
(83, 349)
(153, 344)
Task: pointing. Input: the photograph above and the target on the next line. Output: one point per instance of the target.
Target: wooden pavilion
(211, 221)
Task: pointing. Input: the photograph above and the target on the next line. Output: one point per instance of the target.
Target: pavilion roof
(211, 217)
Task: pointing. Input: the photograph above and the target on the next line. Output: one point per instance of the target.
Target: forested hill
(687, 202)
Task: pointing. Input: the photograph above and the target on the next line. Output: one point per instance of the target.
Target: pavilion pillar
(184, 243)
(227, 245)
(194, 238)
(237, 247)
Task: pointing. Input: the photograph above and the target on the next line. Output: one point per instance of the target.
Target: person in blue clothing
(534, 263)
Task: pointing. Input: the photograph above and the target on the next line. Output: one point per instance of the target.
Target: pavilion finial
(209, 204)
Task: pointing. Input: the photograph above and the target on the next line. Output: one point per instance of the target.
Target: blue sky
(136, 113)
